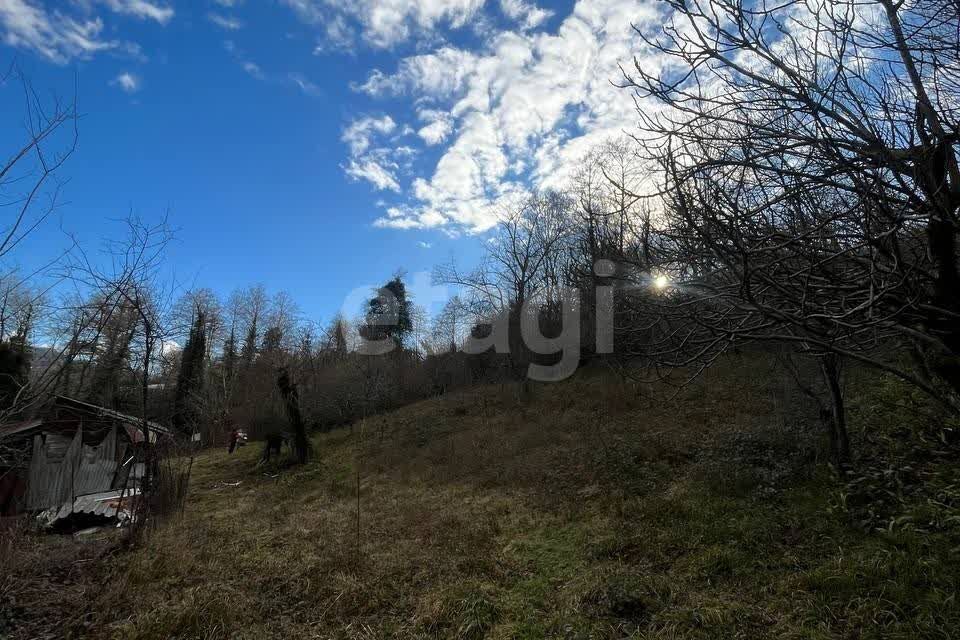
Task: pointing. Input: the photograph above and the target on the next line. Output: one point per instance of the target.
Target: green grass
(612, 515)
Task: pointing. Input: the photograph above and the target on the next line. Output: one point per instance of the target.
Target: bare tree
(184, 310)
(30, 186)
(450, 326)
(251, 305)
(131, 270)
(807, 162)
(525, 262)
(521, 260)
(29, 181)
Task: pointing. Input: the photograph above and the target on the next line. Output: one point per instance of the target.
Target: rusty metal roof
(109, 504)
(25, 426)
(111, 413)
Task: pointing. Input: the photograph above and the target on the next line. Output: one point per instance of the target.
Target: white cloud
(519, 114)
(338, 36)
(61, 35)
(224, 22)
(439, 74)
(141, 9)
(385, 23)
(424, 245)
(379, 164)
(360, 132)
(253, 69)
(438, 127)
(527, 14)
(127, 81)
(53, 35)
(374, 173)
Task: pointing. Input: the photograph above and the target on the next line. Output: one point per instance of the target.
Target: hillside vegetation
(590, 509)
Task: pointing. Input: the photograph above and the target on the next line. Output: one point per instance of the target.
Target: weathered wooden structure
(74, 449)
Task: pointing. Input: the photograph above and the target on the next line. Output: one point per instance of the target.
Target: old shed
(74, 449)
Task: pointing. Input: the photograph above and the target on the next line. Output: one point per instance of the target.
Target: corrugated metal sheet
(56, 445)
(57, 474)
(109, 504)
(50, 479)
(98, 466)
(62, 466)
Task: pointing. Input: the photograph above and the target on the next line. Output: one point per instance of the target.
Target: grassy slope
(583, 511)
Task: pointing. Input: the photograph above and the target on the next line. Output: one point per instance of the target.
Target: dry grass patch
(588, 509)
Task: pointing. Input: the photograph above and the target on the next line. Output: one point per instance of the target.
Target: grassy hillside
(589, 509)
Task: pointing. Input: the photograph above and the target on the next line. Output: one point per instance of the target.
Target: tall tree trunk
(837, 419)
(291, 399)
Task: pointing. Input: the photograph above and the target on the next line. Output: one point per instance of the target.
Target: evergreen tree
(272, 340)
(249, 351)
(230, 355)
(389, 314)
(190, 378)
(336, 340)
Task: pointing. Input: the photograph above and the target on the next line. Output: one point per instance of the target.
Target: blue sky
(313, 145)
